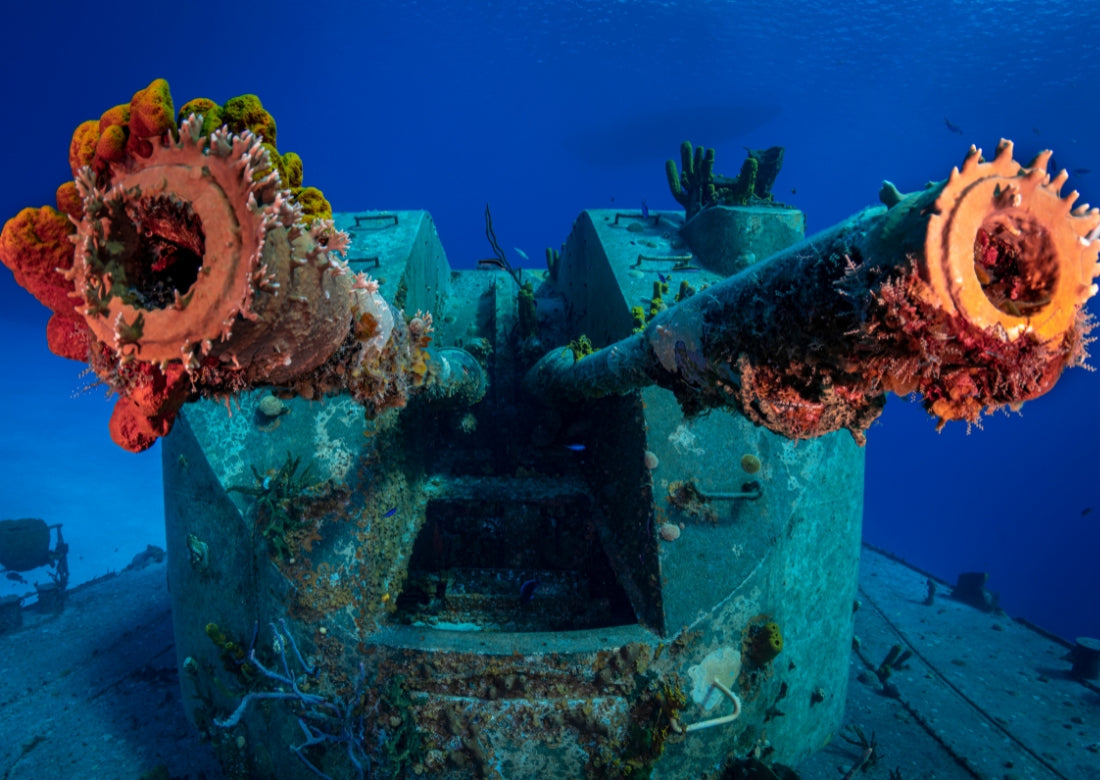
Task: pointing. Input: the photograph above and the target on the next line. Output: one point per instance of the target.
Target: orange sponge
(35, 245)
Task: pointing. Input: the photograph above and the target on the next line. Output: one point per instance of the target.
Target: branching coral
(278, 501)
(324, 720)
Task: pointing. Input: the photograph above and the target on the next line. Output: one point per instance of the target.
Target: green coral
(640, 315)
(128, 334)
(402, 746)
(279, 501)
(657, 302)
(685, 291)
(151, 111)
(313, 203)
(276, 161)
(292, 165)
(739, 190)
(697, 186)
(694, 187)
(765, 642)
(769, 161)
(233, 655)
(581, 347)
(246, 112)
(210, 112)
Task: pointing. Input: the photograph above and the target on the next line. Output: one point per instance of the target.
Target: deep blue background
(547, 109)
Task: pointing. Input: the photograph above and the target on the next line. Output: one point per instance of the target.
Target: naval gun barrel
(969, 292)
(182, 263)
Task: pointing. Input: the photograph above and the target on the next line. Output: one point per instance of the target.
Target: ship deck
(93, 692)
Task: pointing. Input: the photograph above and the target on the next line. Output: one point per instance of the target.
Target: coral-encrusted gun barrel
(182, 262)
(969, 292)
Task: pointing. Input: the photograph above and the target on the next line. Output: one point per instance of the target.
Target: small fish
(1084, 512)
(576, 447)
(662, 278)
(954, 128)
(521, 253)
(527, 590)
(267, 483)
(14, 576)
(390, 512)
(794, 191)
(645, 210)
(1081, 171)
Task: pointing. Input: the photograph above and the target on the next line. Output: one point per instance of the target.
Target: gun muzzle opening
(1016, 263)
(155, 247)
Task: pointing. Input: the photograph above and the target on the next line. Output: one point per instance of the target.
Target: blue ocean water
(545, 109)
